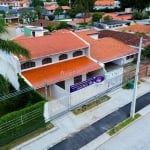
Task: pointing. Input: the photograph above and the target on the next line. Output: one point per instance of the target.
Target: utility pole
(133, 103)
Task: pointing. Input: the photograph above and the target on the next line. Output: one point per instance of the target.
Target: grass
(126, 86)
(90, 105)
(122, 125)
(27, 137)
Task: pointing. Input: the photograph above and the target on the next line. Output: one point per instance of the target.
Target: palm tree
(10, 46)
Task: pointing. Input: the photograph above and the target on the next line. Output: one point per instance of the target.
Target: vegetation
(10, 46)
(122, 125)
(19, 101)
(139, 5)
(19, 123)
(28, 16)
(146, 52)
(138, 15)
(63, 2)
(27, 137)
(37, 3)
(96, 17)
(107, 18)
(91, 105)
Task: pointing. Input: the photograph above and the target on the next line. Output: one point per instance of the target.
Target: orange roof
(115, 16)
(54, 7)
(104, 2)
(57, 42)
(137, 28)
(81, 20)
(106, 49)
(60, 71)
(51, 7)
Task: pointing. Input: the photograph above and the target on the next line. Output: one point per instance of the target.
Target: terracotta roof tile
(60, 71)
(115, 16)
(44, 23)
(58, 42)
(127, 38)
(107, 49)
(137, 28)
(104, 2)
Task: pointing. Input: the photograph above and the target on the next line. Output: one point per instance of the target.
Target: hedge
(7, 134)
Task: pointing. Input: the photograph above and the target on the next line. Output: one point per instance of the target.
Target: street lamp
(133, 103)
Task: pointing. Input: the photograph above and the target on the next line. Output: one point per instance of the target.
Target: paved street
(69, 124)
(135, 137)
(88, 134)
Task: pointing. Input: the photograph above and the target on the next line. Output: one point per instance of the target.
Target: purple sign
(86, 83)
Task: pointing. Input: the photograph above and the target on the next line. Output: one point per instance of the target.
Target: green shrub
(19, 127)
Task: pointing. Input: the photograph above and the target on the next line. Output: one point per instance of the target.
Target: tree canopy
(10, 46)
(139, 5)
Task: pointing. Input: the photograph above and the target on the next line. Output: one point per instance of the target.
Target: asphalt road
(98, 128)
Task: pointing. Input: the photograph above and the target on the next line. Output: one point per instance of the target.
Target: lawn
(122, 125)
(90, 105)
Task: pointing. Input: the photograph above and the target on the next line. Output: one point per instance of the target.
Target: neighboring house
(119, 15)
(130, 39)
(103, 4)
(43, 23)
(137, 28)
(50, 9)
(111, 52)
(109, 24)
(15, 4)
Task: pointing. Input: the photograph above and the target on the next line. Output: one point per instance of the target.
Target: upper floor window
(77, 53)
(63, 56)
(27, 65)
(46, 61)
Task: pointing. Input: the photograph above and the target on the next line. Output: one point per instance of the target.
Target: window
(46, 61)
(131, 56)
(63, 56)
(61, 84)
(27, 65)
(77, 53)
(77, 79)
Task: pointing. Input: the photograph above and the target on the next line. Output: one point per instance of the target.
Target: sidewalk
(69, 124)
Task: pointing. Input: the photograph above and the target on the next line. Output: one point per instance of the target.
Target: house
(119, 15)
(76, 67)
(15, 4)
(137, 28)
(59, 67)
(111, 52)
(103, 4)
(111, 24)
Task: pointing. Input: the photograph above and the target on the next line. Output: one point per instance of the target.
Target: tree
(62, 2)
(58, 11)
(10, 46)
(146, 52)
(37, 3)
(139, 5)
(38, 10)
(96, 16)
(85, 6)
(29, 16)
(107, 18)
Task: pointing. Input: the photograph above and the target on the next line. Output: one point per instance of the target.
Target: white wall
(9, 68)
(87, 92)
(55, 58)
